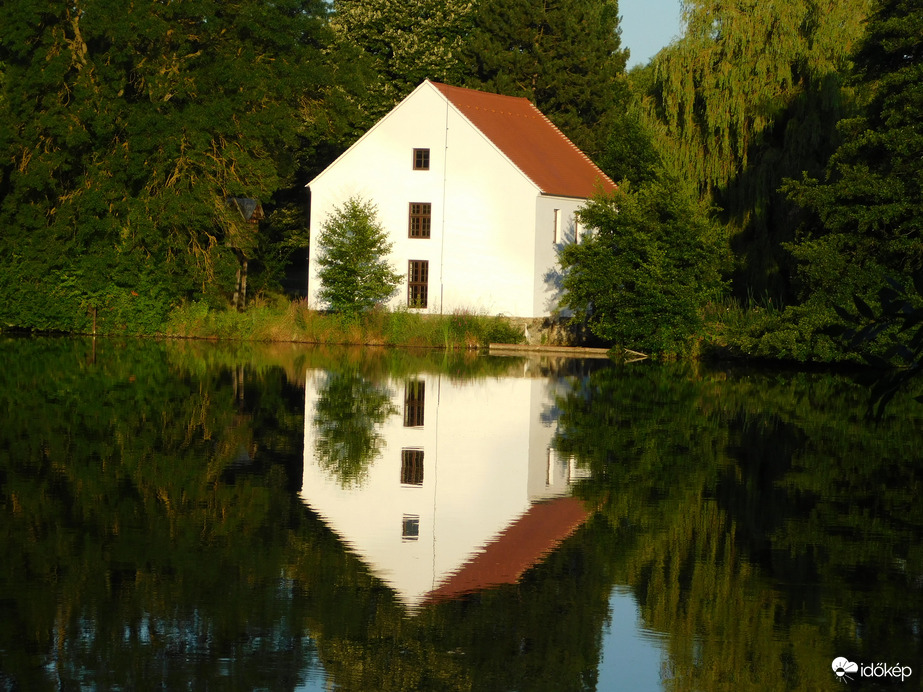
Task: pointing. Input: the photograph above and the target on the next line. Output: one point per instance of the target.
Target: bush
(642, 280)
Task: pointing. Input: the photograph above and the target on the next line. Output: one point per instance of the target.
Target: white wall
(379, 168)
(547, 283)
(490, 223)
(482, 251)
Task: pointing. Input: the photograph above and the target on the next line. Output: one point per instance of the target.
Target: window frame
(421, 158)
(414, 403)
(410, 527)
(418, 284)
(412, 459)
(420, 220)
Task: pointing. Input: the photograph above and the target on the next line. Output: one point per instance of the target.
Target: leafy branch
(898, 314)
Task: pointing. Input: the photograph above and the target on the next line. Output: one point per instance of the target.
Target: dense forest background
(770, 159)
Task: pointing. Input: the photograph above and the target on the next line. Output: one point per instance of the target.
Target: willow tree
(565, 57)
(125, 129)
(750, 95)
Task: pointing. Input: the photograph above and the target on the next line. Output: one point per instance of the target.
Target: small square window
(421, 159)
(410, 527)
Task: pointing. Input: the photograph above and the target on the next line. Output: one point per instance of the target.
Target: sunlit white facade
(460, 463)
(483, 230)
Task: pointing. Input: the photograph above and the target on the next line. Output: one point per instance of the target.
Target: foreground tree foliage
(643, 277)
(354, 272)
(125, 130)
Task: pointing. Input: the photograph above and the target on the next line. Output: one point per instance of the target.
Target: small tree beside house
(355, 274)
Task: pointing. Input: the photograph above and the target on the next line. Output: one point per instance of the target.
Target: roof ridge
(478, 91)
(529, 140)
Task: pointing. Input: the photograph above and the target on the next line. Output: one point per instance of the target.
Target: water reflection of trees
(347, 418)
(764, 524)
(761, 522)
(131, 537)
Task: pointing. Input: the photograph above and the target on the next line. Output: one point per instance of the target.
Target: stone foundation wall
(548, 331)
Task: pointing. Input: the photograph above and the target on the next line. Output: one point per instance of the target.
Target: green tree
(565, 57)
(391, 46)
(643, 277)
(750, 95)
(354, 270)
(869, 208)
(124, 131)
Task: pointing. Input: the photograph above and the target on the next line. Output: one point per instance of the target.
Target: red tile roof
(531, 141)
(523, 544)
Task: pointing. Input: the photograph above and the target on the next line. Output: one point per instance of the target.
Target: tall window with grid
(417, 283)
(411, 467)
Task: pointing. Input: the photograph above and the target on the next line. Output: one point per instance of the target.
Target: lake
(187, 515)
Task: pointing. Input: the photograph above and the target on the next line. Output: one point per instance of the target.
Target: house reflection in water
(464, 491)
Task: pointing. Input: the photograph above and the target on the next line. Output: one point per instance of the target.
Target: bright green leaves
(355, 273)
(642, 279)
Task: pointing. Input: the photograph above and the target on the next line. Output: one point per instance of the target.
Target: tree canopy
(748, 96)
(869, 206)
(125, 130)
(643, 276)
(396, 44)
(565, 57)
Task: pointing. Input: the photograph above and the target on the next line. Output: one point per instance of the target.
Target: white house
(477, 191)
(466, 491)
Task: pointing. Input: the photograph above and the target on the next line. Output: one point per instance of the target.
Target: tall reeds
(296, 322)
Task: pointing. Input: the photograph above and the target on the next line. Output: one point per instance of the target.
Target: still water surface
(188, 516)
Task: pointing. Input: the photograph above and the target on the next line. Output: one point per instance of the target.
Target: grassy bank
(296, 322)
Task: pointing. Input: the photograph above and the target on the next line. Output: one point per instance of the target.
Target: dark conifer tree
(563, 55)
(870, 207)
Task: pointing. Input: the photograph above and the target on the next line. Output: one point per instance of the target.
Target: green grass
(296, 322)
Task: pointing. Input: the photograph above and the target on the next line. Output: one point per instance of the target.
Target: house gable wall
(379, 168)
(492, 247)
(481, 245)
(489, 226)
